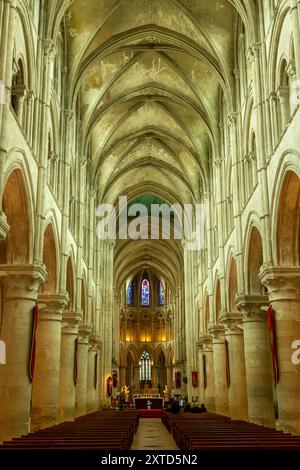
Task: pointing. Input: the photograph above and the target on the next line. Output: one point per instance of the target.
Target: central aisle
(153, 435)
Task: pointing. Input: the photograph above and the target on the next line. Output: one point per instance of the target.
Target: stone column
(20, 93)
(66, 403)
(257, 360)
(283, 285)
(274, 118)
(136, 375)
(169, 377)
(205, 343)
(237, 391)
(122, 380)
(283, 96)
(91, 389)
(20, 285)
(219, 365)
(45, 385)
(81, 388)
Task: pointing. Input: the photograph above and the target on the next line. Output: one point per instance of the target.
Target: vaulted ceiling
(148, 76)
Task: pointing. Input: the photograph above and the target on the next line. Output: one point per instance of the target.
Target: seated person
(187, 408)
(202, 408)
(175, 408)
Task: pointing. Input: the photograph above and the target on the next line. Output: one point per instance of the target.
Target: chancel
(149, 224)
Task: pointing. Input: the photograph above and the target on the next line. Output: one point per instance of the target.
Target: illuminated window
(145, 368)
(130, 294)
(161, 293)
(145, 297)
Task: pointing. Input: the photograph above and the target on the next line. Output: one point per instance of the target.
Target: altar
(141, 401)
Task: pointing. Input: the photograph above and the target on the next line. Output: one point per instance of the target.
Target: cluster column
(219, 366)
(237, 390)
(207, 372)
(257, 360)
(91, 403)
(71, 321)
(46, 374)
(84, 332)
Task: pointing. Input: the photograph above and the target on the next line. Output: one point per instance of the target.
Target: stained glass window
(145, 297)
(161, 293)
(130, 294)
(145, 368)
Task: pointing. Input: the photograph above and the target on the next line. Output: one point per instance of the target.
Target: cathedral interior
(182, 103)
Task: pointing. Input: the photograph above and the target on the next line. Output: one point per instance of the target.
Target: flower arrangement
(149, 403)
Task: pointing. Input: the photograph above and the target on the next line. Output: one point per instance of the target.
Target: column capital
(4, 227)
(92, 194)
(250, 307)
(95, 341)
(232, 118)
(283, 283)
(22, 281)
(217, 332)
(232, 323)
(71, 321)
(51, 306)
(205, 343)
(84, 332)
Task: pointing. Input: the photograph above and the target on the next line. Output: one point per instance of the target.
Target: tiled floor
(153, 435)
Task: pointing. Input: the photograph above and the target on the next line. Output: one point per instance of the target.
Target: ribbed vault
(148, 77)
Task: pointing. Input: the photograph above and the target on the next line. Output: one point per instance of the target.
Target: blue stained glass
(130, 294)
(145, 292)
(161, 293)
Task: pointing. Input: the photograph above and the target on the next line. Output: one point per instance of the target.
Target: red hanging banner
(271, 327)
(227, 364)
(33, 343)
(195, 378)
(75, 366)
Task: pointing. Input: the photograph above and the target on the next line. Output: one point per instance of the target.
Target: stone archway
(19, 288)
(256, 337)
(283, 284)
(15, 249)
(288, 222)
(254, 262)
